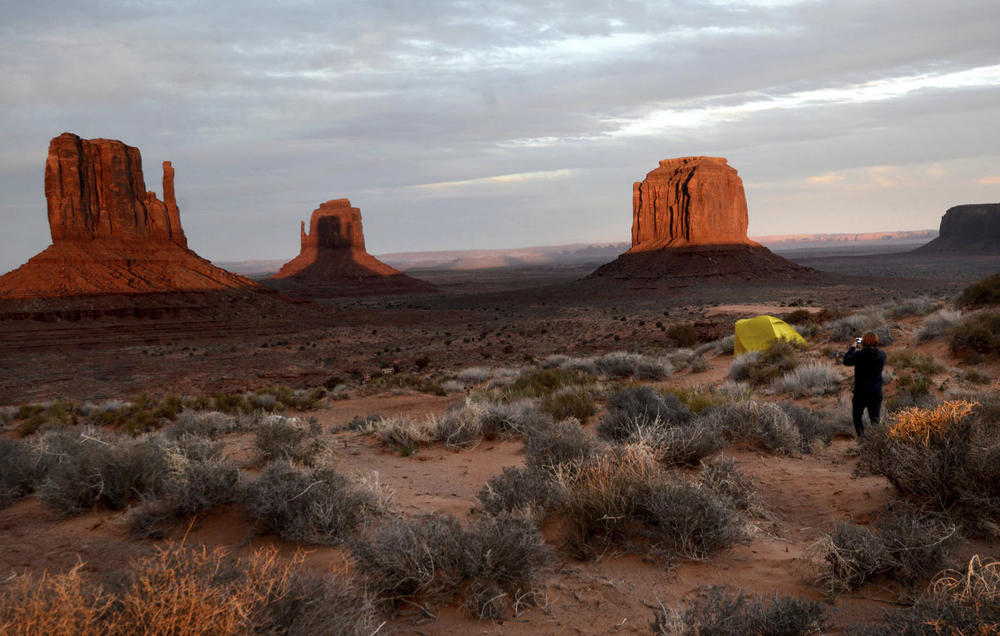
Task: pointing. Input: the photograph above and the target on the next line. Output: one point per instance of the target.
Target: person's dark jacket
(868, 363)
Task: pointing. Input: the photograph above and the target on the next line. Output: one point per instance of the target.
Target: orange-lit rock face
(109, 235)
(689, 201)
(95, 189)
(334, 225)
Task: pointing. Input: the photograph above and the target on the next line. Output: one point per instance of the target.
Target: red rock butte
(110, 235)
(689, 220)
(333, 260)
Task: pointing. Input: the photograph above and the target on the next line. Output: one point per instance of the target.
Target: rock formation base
(743, 261)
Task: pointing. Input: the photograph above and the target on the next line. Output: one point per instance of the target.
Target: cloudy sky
(461, 123)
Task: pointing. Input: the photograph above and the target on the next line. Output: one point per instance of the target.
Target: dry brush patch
(724, 611)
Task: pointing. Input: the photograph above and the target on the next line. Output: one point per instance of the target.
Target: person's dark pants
(862, 401)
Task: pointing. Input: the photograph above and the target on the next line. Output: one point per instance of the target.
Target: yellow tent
(758, 334)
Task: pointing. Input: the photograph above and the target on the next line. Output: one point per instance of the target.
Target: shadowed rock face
(689, 220)
(109, 235)
(689, 201)
(967, 229)
(333, 260)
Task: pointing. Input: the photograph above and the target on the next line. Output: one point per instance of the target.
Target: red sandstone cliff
(333, 260)
(689, 219)
(110, 235)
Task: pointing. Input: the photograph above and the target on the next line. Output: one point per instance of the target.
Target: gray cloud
(267, 109)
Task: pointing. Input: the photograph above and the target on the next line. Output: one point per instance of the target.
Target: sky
(460, 124)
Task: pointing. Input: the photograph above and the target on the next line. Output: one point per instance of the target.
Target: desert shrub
(848, 327)
(814, 426)
(42, 417)
(689, 521)
(912, 390)
(489, 566)
(195, 481)
(919, 362)
(676, 444)
(957, 602)
(907, 546)
(761, 424)
(621, 496)
(680, 358)
(722, 611)
(810, 378)
(976, 376)
(682, 335)
(576, 402)
(19, 470)
(457, 428)
(977, 334)
(918, 306)
(620, 364)
(277, 398)
(88, 468)
(210, 424)
(938, 324)
(946, 458)
(186, 591)
(762, 367)
(730, 391)
(143, 415)
(519, 490)
(630, 406)
(558, 444)
(231, 404)
(316, 505)
(721, 477)
(503, 420)
(287, 438)
(475, 375)
(798, 316)
(981, 293)
(699, 364)
(405, 381)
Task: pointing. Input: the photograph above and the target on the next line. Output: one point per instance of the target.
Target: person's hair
(869, 339)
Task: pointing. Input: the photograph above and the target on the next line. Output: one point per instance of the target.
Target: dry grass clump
(400, 433)
(947, 458)
(938, 324)
(677, 444)
(617, 364)
(737, 491)
(918, 306)
(723, 611)
(520, 490)
(811, 378)
(210, 424)
(622, 496)
(763, 367)
(538, 383)
(955, 604)
(761, 424)
(316, 505)
(287, 438)
(493, 566)
(908, 546)
(187, 591)
(817, 428)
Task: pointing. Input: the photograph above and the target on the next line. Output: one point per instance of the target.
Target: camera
(857, 342)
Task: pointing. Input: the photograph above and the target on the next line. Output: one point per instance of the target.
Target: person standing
(868, 362)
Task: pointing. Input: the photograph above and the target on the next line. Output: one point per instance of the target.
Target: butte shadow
(109, 234)
(689, 224)
(967, 230)
(333, 261)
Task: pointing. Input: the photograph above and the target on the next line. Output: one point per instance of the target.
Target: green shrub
(682, 335)
(576, 402)
(981, 293)
(542, 382)
(977, 334)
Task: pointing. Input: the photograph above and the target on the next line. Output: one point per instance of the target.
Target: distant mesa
(110, 235)
(689, 220)
(333, 260)
(967, 229)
